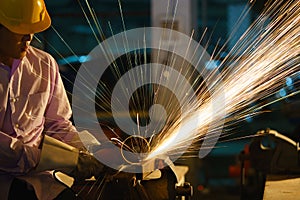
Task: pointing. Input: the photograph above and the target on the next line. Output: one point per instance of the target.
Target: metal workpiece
(130, 186)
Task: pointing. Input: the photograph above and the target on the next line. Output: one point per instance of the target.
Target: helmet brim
(21, 28)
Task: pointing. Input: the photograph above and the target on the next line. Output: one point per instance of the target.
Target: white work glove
(59, 156)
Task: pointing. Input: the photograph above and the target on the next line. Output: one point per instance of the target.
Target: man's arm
(17, 157)
(58, 113)
(58, 126)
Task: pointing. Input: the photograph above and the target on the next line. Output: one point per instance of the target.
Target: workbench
(279, 187)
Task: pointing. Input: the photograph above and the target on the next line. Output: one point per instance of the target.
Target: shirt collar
(15, 65)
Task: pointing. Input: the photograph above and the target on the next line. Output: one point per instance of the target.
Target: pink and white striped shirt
(33, 102)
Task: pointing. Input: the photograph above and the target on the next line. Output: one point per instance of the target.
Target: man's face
(13, 45)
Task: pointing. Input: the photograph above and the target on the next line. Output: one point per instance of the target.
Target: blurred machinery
(272, 152)
(269, 153)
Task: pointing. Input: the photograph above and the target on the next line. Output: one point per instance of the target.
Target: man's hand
(87, 167)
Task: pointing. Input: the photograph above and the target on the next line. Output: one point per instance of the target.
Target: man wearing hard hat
(36, 135)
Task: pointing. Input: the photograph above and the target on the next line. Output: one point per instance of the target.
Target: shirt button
(14, 99)
(17, 125)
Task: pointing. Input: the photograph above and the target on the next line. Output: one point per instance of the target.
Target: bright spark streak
(267, 57)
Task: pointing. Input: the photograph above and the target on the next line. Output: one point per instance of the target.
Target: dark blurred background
(71, 38)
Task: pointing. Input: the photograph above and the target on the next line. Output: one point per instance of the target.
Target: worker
(34, 112)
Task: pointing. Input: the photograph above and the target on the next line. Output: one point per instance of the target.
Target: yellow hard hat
(24, 16)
